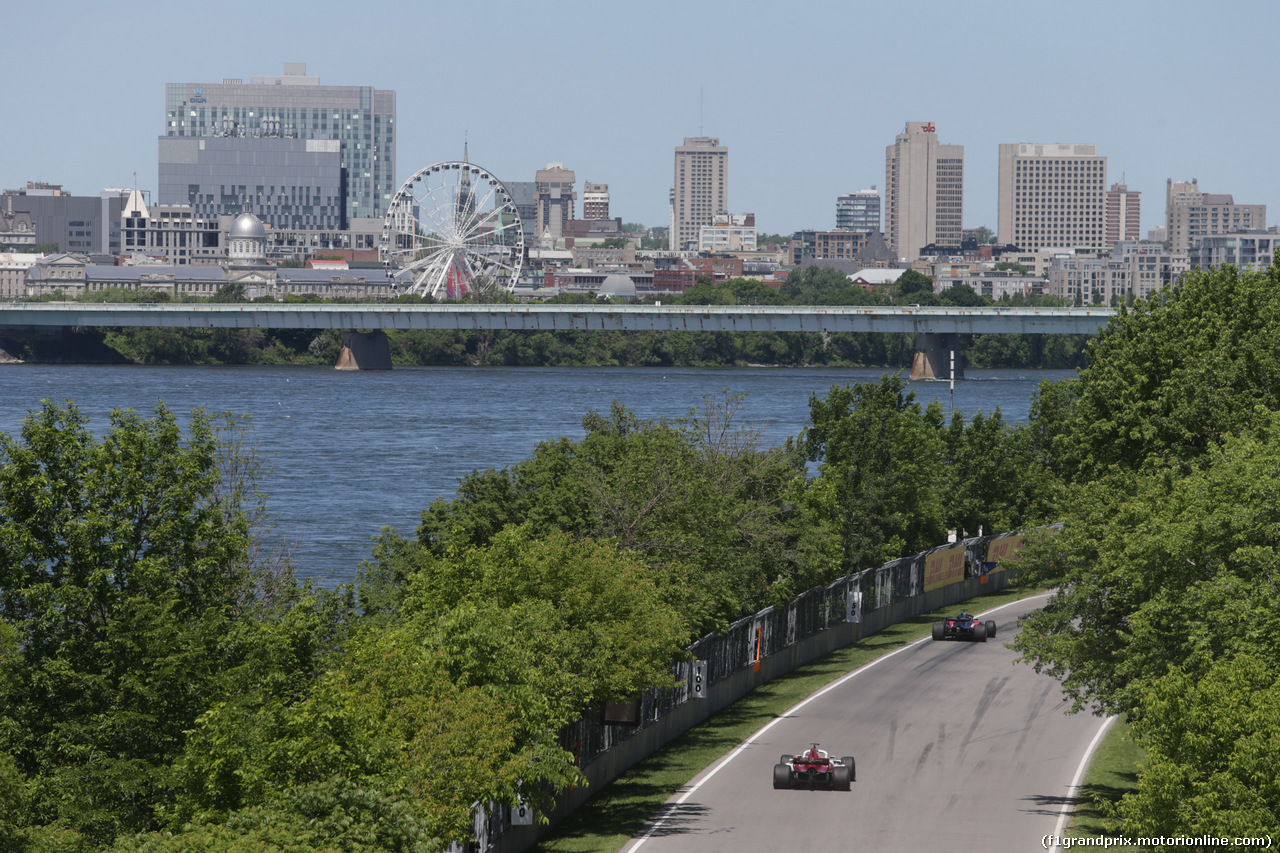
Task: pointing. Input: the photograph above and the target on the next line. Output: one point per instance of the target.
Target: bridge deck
(675, 318)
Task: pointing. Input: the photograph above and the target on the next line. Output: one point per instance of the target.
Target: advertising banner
(943, 567)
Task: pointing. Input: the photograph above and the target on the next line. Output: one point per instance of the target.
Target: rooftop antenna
(700, 130)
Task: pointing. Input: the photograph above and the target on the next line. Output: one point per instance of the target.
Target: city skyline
(1125, 80)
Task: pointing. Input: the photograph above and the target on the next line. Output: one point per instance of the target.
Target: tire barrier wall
(778, 639)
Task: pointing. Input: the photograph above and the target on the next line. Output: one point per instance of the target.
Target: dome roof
(248, 225)
(618, 285)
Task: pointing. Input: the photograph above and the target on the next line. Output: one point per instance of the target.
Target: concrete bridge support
(364, 351)
(936, 352)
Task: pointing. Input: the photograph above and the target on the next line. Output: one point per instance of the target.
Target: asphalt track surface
(957, 747)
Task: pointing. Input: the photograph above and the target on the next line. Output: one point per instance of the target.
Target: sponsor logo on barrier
(944, 567)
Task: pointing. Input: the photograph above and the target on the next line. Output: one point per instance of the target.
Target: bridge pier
(933, 357)
(364, 351)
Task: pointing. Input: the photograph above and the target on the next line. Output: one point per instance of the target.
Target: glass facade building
(286, 183)
(294, 106)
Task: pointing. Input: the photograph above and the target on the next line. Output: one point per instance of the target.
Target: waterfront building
(1190, 214)
(1051, 195)
(923, 191)
(700, 190)
(361, 119)
(858, 211)
(246, 264)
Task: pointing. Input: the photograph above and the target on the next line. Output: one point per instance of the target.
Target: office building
(700, 190)
(595, 201)
(554, 196)
(858, 211)
(48, 215)
(1124, 210)
(175, 234)
(923, 191)
(295, 106)
(1191, 214)
(1051, 196)
(286, 183)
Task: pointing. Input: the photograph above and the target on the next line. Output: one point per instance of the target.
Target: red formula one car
(814, 768)
(964, 627)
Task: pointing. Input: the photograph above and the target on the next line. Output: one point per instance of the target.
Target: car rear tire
(937, 631)
(840, 778)
(853, 768)
(781, 776)
(980, 634)
(991, 627)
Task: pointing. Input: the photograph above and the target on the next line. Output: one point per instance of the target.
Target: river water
(350, 452)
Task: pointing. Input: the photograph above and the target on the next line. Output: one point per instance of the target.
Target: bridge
(936, 327)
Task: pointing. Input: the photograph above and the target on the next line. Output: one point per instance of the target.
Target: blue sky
(806, 95)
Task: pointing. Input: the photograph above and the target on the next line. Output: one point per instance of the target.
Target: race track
(956, 748)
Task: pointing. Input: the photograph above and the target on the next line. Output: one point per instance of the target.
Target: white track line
(674, 807)
(1069, 803)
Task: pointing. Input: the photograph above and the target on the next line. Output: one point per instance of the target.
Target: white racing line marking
(672, 808)
(1065, 814)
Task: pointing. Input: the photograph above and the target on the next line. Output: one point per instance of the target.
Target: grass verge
(1112, 774)
(617, 813)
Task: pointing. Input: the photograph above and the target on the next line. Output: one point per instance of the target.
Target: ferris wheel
(450, 230)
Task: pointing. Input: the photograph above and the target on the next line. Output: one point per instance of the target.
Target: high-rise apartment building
(923, 191)
(295, 106)
(555, 197)
(858, 211)
(1124, 210)
(700, 191)
(1191, 214)
(1051, 196)
(595, 201)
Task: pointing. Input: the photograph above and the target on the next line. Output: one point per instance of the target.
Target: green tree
(123, 562)
(1175, 375)
(698, 499)
(913, 286)
(233, 292)
(1160, 570)
(1211, 745)
(879, 459)
(455, 696)
(962, 295)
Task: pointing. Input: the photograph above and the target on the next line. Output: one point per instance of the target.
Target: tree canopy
(1167, 449)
